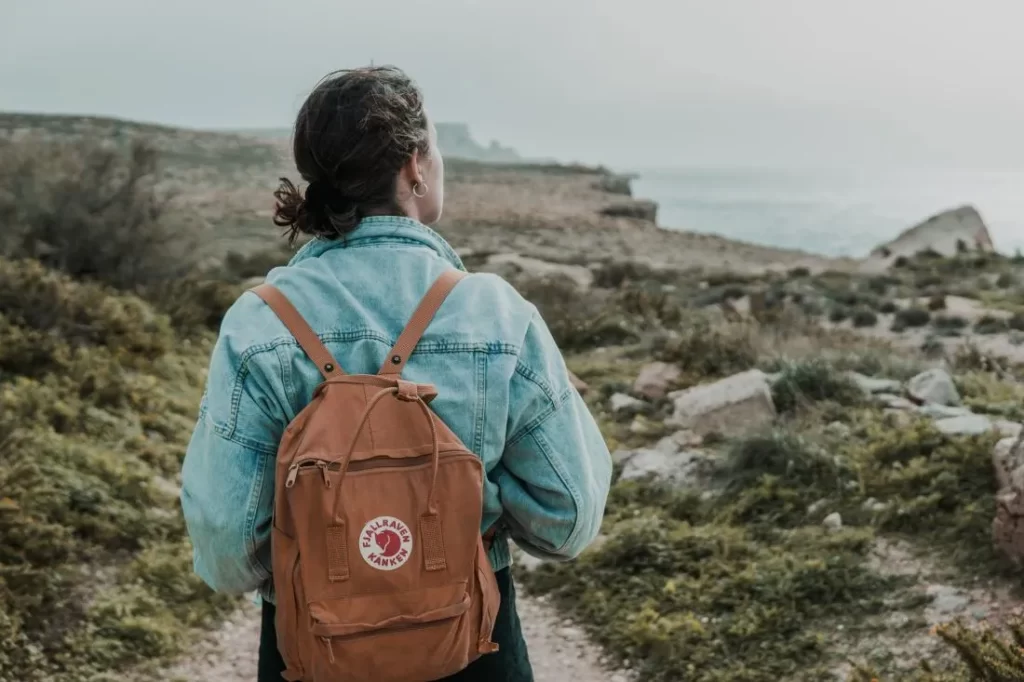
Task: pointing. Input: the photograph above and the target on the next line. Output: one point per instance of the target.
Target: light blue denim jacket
(503, 389)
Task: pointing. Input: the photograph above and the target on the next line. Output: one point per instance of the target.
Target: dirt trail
(559, 650)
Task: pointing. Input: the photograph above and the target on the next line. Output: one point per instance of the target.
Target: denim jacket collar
(383, 230)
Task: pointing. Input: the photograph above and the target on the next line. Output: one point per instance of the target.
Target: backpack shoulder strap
(399, 355)
(302, 332)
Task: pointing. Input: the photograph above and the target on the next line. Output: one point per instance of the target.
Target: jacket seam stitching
(566, 480)
(255, 495)
(481, 402)
(539, 420)
(245, 361)
(537, 380)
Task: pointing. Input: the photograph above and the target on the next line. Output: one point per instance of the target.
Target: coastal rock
(508, 263)
(667, 461)
(966, 425)
(1008, 525)
(641, 209)
(615, 184)
(655, 379)
(934, 386)
(833, 521)
(871, 385)
(1008, 462)
(894, 402)
(947, 233)
(735, 405)
(942, 411)
(620, 403)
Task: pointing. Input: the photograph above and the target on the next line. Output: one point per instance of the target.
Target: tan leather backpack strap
(302, 332)
(399, 355)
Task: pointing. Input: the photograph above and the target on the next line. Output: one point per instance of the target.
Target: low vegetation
(766, 571)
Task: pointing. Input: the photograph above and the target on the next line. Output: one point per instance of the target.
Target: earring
(423, 190)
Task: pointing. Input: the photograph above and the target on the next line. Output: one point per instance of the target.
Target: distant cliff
(456, 141)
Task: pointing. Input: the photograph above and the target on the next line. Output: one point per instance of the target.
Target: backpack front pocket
(398, 637)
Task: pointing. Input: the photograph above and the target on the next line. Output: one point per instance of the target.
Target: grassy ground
(738, 580)
(98, 394)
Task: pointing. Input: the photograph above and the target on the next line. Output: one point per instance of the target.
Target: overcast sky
(637, 83)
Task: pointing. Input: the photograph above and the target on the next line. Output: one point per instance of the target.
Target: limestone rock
(942, 411)
(966, 425)
(642, 209)
(621, 403)
(894, 402)
(615, 184)
(1008, 429)
(1007, 458)
(738, 404)
(1008, 525)
(871, 385)
(946, 233)
(934, 386)
(655, 379)
(504, 263)
(667, 461)
(833, 521)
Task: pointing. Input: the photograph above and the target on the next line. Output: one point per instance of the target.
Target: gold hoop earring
(422, 193)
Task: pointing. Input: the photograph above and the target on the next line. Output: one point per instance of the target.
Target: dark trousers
(509, 664)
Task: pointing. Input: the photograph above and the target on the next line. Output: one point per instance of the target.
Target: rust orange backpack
(380, 571)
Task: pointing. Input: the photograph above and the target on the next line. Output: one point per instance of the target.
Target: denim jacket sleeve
(556, 468)
(227, 483)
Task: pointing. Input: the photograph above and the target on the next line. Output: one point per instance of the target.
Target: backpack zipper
(371, 463)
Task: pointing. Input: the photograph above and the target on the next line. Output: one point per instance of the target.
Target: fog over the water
(643, 83)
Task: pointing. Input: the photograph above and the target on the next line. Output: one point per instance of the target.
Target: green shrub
(195, 305)
(812, 380)
(989, 324)
(703, 349)
(838, 313)
(578, 320)
(1006, 280)
(910, 317)
(614, 274)
(888, 307)
(96, 404)
(863, 317)
(46, 315)
(949, 323)
(92, 210)
(238, 266)
(1016, 321)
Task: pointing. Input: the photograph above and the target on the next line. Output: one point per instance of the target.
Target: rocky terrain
(818, 462)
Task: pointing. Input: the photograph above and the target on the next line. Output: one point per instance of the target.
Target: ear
(412, 170)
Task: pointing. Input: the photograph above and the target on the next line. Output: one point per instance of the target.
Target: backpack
(380, 571)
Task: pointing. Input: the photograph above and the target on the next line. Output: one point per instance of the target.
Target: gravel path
(559, 650)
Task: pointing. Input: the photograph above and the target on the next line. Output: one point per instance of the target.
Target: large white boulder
(655, 379)
(738, 404)
(946, 233)
(934, 386)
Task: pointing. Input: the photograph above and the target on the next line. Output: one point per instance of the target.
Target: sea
(828, 211)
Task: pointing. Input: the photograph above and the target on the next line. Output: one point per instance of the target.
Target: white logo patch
(385, 543)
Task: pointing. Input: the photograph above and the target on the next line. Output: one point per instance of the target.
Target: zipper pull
(330, 648)
(293, 473)
(323, 470)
